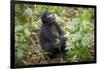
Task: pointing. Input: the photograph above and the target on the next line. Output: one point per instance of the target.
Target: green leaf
(86, 14)
(86, 28)
(68, 47)
(22, 19)
(28, 12)
(27, 32)
(59, 19)
(24, 62)
(85, 40)
(23, 46)
(76, 37)
(86, 25)
(19, 28)
(19, 54)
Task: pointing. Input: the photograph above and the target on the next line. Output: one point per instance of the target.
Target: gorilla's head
(48, 18)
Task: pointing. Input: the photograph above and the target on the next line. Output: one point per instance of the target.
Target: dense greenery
(77, 23)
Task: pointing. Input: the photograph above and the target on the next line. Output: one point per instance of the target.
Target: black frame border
(12, 33)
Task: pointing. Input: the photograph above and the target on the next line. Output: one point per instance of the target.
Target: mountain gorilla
(49, 33)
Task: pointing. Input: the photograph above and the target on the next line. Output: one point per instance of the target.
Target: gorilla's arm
(62, 38)
(60, 31)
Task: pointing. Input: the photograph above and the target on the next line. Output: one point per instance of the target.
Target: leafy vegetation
(77, 23)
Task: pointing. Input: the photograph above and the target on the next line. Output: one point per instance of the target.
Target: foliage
(77, 23)
(79, 38)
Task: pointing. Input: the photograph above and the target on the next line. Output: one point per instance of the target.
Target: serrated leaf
(85, 40)
(76, 37)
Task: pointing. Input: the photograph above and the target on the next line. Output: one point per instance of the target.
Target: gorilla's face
(48, 18)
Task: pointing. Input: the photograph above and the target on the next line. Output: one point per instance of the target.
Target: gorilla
(52, 37)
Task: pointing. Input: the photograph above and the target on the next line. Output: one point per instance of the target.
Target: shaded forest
(77, 23)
